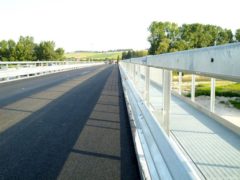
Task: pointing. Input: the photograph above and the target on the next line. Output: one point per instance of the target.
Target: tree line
(169, 37)
(131, 54)
(27, 50)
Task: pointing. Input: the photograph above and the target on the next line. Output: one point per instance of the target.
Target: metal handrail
(221, 62)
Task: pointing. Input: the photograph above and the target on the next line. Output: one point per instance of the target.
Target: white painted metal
(166, 98)
(164, 161)
(212, 98)
(147, 81)
(134, 73)
(216, 62)
(180, 83)
(193, 86)
(11, 71)
(221, 62)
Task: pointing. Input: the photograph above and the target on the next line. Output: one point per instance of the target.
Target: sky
(107, 24)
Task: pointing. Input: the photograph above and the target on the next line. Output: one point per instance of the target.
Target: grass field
(94, 55)
(223, 88)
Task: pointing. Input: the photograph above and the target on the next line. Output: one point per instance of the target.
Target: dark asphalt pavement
(69, 125)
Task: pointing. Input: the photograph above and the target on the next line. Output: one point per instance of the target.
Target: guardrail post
(139, 73)
(212, 99)
(134, 73)
(7, 79)
(139, 76)
(193, 87)
(166, 98)
(127, 67)
(18, 67)
(180, 83)
(147, 82)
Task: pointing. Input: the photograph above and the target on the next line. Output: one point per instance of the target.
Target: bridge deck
(213, 150)
(70, 125)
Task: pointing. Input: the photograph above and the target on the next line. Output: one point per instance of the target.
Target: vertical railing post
(18, 67)
(139, 73)
(134, 73)
(166, 99)
(212, 99)
(147, 82)
(180, 83)
(193, 87)
(139, 77)
(7, 69)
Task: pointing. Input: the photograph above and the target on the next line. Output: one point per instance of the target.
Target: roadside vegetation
(222, 89)
(27, 50)
(169, 37)
(228, 89)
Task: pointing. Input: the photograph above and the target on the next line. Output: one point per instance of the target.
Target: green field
(223, 88)
(94, 55)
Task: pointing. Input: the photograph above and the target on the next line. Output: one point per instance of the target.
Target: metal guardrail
(216, 62)
(11, 71)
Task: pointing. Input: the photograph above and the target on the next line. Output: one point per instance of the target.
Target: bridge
(88, 120)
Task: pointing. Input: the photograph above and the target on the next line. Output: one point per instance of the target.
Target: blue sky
(107, 24)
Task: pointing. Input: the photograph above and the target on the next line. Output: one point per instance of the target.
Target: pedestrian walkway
(212, 149)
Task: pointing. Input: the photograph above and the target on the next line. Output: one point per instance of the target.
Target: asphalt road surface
(69, 125)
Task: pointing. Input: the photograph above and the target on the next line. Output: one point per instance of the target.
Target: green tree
(3, 50)
(237, 35)
(157, 34)
(59, 53)
(11, 50)
(25, 49)
(163, 46)
(124, 54)
(168, 37)
(179, 45)
(225, 36)
(45, 51)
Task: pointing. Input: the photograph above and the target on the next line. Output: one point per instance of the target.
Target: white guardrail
(157, 154)
(11, 71)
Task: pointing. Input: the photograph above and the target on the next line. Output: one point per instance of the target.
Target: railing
(11, 71)
(221, 62)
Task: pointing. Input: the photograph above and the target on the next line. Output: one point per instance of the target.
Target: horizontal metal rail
(11, 71)
(221, 62)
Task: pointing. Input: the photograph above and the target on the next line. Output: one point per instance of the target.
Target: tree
(131, 54)
(163, 46)
(3, 50)
(179, 45)
(225, 36)
(59, 53)
(237, 35)
(25, 49)
(11, 50)
(158, 33)
(45, 51)
(168, 37)
(124, 54)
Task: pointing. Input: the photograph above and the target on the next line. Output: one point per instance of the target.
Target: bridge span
(101, 121)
